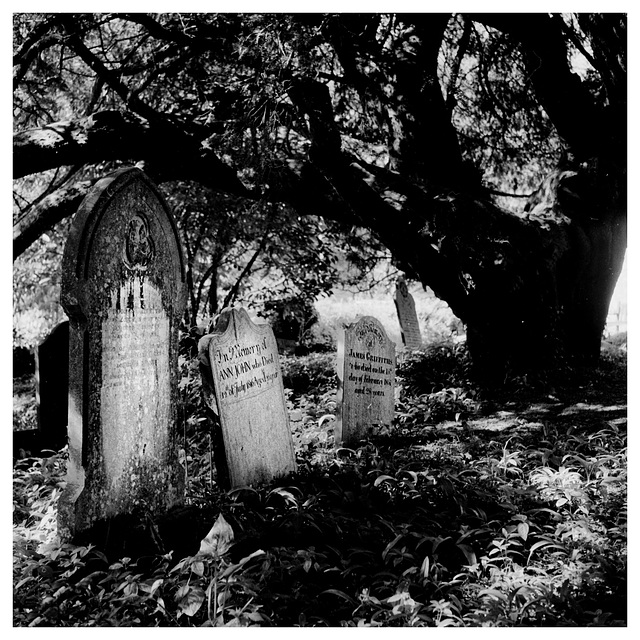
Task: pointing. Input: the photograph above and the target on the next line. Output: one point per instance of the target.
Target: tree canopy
(426, 130)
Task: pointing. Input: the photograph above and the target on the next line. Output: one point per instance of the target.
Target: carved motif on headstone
(138, 245)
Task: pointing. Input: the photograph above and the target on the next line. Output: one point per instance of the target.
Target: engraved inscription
(368, 373)
(366, 359)
(135, 377)
(245, 371)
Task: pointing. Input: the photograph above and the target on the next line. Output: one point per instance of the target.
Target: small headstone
(406, 308)
(249, 400)
(286, 346)
(123, 289)
(52, 387)
(23, 362)
(366, 373)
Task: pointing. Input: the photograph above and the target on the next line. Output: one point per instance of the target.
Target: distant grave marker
(406, 308)
(366, 371)
(249, 399)
(52, 387)
(123, 290)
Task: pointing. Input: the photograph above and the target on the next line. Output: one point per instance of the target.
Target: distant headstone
(406, 308)
(52, 387)
(23, 362)
(123, 289)
(249, 400)
(286, 346)
(366, 373)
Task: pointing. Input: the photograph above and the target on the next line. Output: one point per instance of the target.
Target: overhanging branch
(115, 135)
(47, 213)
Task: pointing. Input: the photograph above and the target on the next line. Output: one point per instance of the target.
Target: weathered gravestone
(366, 374)
(123, 291)
(52, 386)
(406, 308)
(249, 400)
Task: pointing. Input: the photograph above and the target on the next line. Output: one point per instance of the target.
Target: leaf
(218, 540)
(234, 567)
(468, 553)
(340, 594)
(412, 474)
(384, 478)
(328, 416)
(198, 568)
(151, 588)
(255, 616)
(424, 567)
(523, 530)
(236, 493)
(289, 498)
(493, 593)
(160, 605)
(447, 622)
(191, 603)
(234, 622)
(21, 583)
(391, 545)
(181, 593)
(544, 544)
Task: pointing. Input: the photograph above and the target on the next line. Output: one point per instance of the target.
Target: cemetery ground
(476, 507)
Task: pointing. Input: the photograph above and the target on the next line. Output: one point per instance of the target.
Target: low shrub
(427, 524)
(315, 371)
(437, 367)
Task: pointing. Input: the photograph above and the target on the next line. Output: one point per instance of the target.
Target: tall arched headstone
(123, 289)
(366, 376)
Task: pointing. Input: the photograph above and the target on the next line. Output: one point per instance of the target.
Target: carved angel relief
(138, 246)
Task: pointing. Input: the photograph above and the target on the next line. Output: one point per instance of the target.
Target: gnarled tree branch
(48, 212)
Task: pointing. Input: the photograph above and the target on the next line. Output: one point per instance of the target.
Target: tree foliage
(406, 125)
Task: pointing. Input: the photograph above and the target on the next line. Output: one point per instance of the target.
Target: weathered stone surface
(123, 289)
(407, 316)
(249, 400)
(52, 387)
(366, 374)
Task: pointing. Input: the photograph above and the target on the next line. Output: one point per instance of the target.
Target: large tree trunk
(538, 291)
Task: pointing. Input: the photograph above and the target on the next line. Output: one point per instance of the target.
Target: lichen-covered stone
(123, 288)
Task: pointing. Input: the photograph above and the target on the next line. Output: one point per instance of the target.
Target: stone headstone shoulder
(123, 289)
(366, 373)
(407, 316)
(246, 381)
